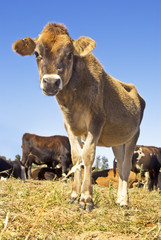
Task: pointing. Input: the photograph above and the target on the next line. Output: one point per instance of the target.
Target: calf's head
(54, 50)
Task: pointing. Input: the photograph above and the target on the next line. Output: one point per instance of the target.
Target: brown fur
(46, 173)
(55, 29)
(96, 107)
(46, 150)
(25, 46)
(103, 178)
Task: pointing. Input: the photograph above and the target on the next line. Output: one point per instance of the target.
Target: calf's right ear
(83, 46)
(24, 46)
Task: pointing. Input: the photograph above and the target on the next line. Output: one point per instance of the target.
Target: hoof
(123, 203)
(86, 206)
(82, 205)
(89, 207)
(118, 201)
(74, 197)
(72, 201)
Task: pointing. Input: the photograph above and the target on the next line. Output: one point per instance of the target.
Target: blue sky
(128, 44)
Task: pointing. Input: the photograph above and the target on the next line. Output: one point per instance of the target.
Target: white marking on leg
(124, 194)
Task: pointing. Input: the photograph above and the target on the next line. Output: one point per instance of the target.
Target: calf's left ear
(24, 46)
(83, 46)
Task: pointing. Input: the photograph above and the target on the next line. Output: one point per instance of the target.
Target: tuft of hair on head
(56, 28)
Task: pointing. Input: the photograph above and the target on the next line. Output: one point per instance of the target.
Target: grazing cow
(147, 159)
(97, 108)
(46, 173)
(18, 170)
(45, 150)
(104, 177)
(11, 168)
(5, 168)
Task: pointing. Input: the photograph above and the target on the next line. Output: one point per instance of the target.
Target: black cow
(147, 159)
(40, 150)
(5, 168)
(159, 180)
(11, 168)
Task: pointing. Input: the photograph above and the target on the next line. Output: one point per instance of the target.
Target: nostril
(57, 83)
(45, 80)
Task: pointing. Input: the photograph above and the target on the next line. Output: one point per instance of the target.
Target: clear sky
(128, 44)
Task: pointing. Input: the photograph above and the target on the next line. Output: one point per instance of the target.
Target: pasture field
(42, 210)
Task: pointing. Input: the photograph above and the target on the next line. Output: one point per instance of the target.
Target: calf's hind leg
(119, 152)
(124, 155)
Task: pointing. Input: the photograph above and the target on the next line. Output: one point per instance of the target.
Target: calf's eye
(70, 55)
(36, 54)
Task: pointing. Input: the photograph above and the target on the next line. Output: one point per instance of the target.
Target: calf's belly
(115, 137)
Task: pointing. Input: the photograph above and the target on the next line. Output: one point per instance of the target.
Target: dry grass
(42, 210)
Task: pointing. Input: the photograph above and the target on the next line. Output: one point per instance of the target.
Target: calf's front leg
(88, 156)
(85, 155)
(76, 151)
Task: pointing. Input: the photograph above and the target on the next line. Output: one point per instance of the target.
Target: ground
(42, 210)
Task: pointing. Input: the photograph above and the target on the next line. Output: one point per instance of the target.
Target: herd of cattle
(55, 152)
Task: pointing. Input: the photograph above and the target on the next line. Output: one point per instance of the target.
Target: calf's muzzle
(51, 84)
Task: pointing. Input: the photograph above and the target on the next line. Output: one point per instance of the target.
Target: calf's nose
(51, 81)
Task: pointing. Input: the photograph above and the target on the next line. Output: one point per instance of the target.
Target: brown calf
(45, 173)
(103, 178)
(96, 107)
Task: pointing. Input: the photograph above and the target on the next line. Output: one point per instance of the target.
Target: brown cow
(96, 107)
(41, 150)
(46, 173)
(103, 178)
